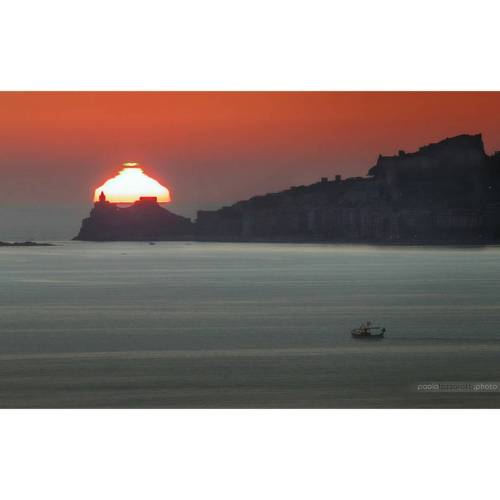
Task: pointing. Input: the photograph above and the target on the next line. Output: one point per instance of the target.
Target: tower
(102, 197)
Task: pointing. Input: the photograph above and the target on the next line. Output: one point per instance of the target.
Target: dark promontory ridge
(447, 192)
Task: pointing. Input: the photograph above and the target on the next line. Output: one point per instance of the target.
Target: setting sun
(130, 184)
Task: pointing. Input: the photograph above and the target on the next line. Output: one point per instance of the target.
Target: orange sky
(212, 148)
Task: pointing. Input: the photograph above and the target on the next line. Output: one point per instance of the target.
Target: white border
(243, 45)
(249, 454)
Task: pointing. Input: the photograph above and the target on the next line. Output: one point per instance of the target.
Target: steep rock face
(445, 192)
(446, 158)
(145, 220)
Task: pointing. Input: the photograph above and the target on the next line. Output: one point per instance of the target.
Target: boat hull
(367, 336)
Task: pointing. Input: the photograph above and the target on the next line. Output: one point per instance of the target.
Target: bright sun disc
(130, 184)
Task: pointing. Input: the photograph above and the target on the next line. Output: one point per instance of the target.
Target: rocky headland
(446, 192)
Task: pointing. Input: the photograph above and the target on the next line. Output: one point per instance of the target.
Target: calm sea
(246, 325)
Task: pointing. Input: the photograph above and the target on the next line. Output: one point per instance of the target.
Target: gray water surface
(180, 324)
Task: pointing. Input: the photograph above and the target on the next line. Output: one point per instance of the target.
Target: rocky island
(145, 220)
(24, 244)
(446, 192)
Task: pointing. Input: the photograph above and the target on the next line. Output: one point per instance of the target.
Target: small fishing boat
(368, 332)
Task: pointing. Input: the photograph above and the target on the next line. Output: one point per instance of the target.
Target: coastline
(24, 244)
(301, 241)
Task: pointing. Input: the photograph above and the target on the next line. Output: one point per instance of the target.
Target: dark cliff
(145, 220)
(448, 192)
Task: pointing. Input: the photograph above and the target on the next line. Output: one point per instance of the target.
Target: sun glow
(130, 184)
